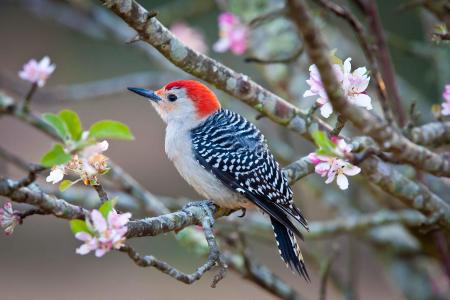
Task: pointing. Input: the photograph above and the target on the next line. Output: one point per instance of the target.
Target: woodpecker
(225, 158)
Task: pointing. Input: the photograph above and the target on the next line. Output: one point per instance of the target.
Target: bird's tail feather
(289, 249)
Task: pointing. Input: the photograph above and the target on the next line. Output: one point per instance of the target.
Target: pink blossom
(342, 148)
(354, 85)
(105, 234)
(90, 243)
(190, 36)
(37, 72)
(9, 218)
(446, 105)
(339, 168)
(332, 167)
(233, 34)
(446, 93)
(336, 166)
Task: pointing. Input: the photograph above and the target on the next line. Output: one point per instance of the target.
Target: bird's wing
(234, 150)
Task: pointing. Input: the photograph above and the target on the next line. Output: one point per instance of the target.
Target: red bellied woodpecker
(226, 159)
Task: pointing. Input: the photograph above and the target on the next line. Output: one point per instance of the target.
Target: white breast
(179, 150)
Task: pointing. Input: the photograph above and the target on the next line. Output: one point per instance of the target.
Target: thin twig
(260, 20)
(103, 196)
(30, 212)
(26, 101)
(340, 123)
(33, 170)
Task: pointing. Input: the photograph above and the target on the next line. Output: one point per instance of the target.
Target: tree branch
(431, 134)
(368, 49)
(214, 257)
(386, 136)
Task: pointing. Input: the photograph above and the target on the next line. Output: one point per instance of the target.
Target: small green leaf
(56, 156)
(78, 226)
(326, 146)
(106, 207)
(335, 59)
(65, 184)
(73, 124)
(58, 124)
(110, 129)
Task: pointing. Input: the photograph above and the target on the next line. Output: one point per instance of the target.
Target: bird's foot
(207, 206)
(243, 212)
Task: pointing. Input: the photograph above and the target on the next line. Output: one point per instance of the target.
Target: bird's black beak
(146, 93)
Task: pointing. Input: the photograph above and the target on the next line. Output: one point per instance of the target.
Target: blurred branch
(325, 272)
(369, 8)
(267, 17)
(266, 279)
(363, 222)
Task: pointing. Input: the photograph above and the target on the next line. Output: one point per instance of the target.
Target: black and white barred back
(235, 151)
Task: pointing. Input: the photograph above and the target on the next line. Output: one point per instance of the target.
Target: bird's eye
(172, 97)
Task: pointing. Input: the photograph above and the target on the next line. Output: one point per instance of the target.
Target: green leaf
(58, 124)
(73, 124)
(78, 226)
(106, 207)
(335, 59)
(110, 129)
(326, 146)
(56, 156)
(65, 184)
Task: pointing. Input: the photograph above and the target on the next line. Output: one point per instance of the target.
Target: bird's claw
(243, 212)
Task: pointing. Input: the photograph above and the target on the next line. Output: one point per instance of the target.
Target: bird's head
(186, 101)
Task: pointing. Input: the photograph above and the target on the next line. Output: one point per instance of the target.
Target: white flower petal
(100, 252)
(56, 175)
(98, 221)
(330, 177)
(83, 236)
(351, 170)
(342, 181)
(347, 65)
(83, 249)
(308, 93)
(222, 45)
(362, 100)
(326, 110)
(323, 167)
